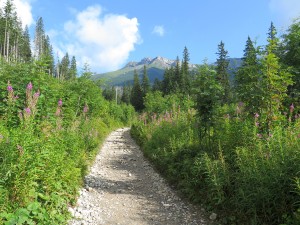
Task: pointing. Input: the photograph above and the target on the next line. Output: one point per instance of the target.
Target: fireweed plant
(49, 134)
(242, 171)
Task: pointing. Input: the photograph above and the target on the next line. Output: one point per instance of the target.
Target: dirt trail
(122, 188)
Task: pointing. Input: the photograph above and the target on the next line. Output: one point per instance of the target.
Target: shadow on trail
(136, 177)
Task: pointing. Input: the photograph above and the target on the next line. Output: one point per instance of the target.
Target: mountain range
(155, 69)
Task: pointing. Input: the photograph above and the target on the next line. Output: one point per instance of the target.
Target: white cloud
(103, 41)
(23, 9)
(159, 30)
(286, 9)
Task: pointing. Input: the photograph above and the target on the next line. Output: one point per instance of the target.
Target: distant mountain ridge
(155, 69)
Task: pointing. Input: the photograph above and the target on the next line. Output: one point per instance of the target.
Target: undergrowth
(50, 132)
(246, 175)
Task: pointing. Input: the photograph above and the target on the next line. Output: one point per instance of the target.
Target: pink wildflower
(60, 102)
(28, 111)
(292, 108)
(86, 108)
(259, 135)
(10, 88)
(29, 86)
(256, 115)
(36, 94)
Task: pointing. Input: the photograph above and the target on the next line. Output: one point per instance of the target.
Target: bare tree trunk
(4, 44)
(7, 47)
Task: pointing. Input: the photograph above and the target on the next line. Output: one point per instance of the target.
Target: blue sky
(109, 33)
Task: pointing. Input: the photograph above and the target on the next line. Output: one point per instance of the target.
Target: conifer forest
(227, 140)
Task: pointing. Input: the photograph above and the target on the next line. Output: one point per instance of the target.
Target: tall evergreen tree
(11, 32)
(168, 81)
(290, 56)
(39, 38)
(73, 69)
(64, 67)
(47, 56)
(126, 94)
(25, 49)
(248, 79)
(185, 83)
(208, 94)
(145, 82)
(222, 72)
(157, 85)
(136, 93)
(177, 81)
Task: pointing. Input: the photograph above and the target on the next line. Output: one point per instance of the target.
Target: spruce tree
(222, 72)
(136, 93)
(157, 85)
(247, 79)
(25, 50)
(185, 75)
(177, 76)
(145, 82)
(64, 67)
(290, 56)
(126, 94)
(39, 38)
(73, 69)
(47, 56)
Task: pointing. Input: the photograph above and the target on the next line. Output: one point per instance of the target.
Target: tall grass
(244, 174)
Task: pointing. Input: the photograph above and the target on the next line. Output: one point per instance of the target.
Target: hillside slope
(155, 69)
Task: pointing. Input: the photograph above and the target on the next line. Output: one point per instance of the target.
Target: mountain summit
(155, 69)
(158, 61)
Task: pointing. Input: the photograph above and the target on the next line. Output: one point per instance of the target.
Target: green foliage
(50, 131)
(246, 176)
(137, 93)
(290, 56)
(275, 81)
(222, 74)
(248, 80)
(208, 98)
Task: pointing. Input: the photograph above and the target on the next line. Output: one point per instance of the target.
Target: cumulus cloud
(23, 9)
(102, 41)
(159, 30)
(287, 9)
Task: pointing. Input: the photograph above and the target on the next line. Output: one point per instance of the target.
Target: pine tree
(290, 56)
(145, 82)
(126, 94)
(208, 94)
(185, 75)
(73, 69)
(64, 67)
(177, 81)
(39, 38)
(168, 83)
(247, 79)
(25, 49)
(11, 33)
(222, 72)
(157, 85)
(47, 56)
(136, 93)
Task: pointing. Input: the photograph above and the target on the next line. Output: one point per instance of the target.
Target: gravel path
(122, 188)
